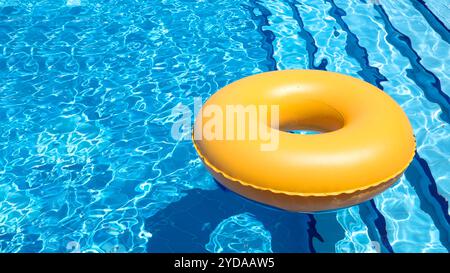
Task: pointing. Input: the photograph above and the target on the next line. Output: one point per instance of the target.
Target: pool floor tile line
(431, 202)
(355, 50)
(313, 233)
(432, 19)
(375, 221)
(424, 78)
(268, 37)
(311, 47)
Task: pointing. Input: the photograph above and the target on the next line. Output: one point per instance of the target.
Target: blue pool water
(87, 88)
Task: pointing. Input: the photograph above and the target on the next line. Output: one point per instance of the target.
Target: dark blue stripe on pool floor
(375, 221)
(424, 78)
(432, 19)
(268, 36)
(311, 47)
(355, 50)
(313, 233)
(431, 202)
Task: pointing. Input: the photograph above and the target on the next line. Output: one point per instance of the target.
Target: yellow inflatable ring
(365, 145)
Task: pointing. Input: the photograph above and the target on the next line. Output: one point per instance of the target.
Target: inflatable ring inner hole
(310, 117)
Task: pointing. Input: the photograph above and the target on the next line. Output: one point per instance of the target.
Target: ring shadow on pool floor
(185, 226)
